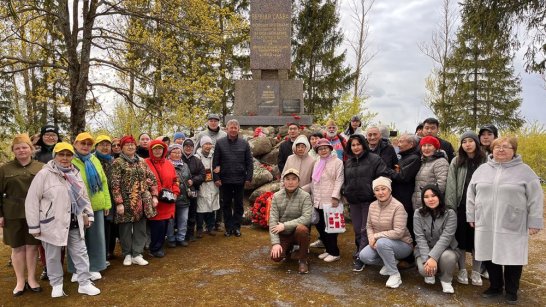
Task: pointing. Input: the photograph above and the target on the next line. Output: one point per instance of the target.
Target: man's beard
(331, 134)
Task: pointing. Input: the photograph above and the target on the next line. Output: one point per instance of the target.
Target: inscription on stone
(291, 106)
(270, 34)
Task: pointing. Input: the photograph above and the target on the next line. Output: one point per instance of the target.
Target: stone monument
(270, 98)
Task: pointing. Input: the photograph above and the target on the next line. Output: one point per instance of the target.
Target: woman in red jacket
(167, 182)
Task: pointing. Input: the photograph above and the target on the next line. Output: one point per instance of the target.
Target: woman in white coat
(505, 205)
(57, 210)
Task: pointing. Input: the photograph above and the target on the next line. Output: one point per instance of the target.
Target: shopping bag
(334, 218)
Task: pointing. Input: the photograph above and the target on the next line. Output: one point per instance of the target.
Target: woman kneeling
(387, 233)
(434, 228)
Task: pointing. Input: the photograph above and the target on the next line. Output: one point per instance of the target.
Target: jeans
(232, 195)
(180, 222)
(386, 253)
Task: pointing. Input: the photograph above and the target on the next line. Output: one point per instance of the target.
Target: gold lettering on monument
(271, 34)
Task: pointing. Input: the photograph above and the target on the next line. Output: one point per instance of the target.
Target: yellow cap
(64, 146)
(158, 145)
(85, 136)
(103, 137)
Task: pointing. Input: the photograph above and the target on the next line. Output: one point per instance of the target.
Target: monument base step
(264, 120)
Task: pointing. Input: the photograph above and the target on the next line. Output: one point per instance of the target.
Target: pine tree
(480, 84)
(315, 61)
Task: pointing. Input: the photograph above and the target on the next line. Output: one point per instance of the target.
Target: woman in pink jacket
(327, 180)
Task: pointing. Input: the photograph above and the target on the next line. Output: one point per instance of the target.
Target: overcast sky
(396, 84)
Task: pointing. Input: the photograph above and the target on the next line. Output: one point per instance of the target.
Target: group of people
(412, 202)
(81, 197)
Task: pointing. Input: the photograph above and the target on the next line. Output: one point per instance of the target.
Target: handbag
(165, 195)
(334, 218)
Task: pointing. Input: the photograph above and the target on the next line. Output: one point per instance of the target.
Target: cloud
(396, 83)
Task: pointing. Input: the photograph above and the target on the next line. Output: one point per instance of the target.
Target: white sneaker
(128, 260)
(383, 270)
(74, 278)
(331, 258)
(431, 280)
(447, 287)
(95, 276)
(139, 260)
(476, 279)
(394, 281)
(485, 274)
(89, 289)
(317, 244)
(57, 291)
(462, 277)
(323, 255)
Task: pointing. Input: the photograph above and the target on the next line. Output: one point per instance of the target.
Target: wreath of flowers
(260, 209)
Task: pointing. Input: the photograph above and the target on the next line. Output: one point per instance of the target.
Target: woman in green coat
(469, 157)
(97, 188)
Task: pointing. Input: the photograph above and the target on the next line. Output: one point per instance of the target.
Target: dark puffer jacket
(197, 169)
(403, 182)
(360, 171)
(387, 153)
(235, 161)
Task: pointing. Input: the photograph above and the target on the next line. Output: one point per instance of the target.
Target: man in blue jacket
(233, 169)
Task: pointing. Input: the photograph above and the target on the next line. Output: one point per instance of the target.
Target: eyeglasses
(502, 147)
(116, 145)
(323, 148)
(50, 135)
(65, 155)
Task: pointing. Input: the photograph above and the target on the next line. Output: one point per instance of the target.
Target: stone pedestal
(270, 98)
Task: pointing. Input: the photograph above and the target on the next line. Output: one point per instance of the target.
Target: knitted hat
(22, 138)
(472, 135)
(490, 128)
(179, 135)
(323, 142)
(204, 140)
(188, 142)
(173, 147)
(84, 136)
(430, 140)
(62, 146)
(382, 181)
(49, 128)
(127, 139)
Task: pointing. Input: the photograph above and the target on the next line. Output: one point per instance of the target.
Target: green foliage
(480, 84)
(315, 40)
(347, 107)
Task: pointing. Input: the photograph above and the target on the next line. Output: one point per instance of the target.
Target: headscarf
(78, 203)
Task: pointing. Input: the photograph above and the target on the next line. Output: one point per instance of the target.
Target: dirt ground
(227, 271)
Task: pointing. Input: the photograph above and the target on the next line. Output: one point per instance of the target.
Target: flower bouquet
(260, 209)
